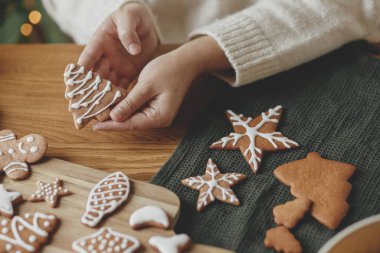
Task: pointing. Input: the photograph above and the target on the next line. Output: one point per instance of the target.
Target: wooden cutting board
(80, 180)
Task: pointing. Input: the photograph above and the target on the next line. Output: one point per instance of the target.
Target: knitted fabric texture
(331, 106)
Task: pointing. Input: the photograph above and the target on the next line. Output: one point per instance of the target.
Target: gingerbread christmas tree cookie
(26, 233)
(282, 240)
(49, 192)
(90, 96)
(214, 185)
(291, 212)
(255, 136)
(16, 154)
(323, 182)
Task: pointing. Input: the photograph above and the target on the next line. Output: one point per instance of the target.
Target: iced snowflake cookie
(255, 136)
(282, 240)
(7, 200)
(105, 197)
(26, 234)
(323, 182)
(106, 240)
(214, 185)
(173, 244)
(90, 96)
(16, 154)
(49, 192)
(149, 216)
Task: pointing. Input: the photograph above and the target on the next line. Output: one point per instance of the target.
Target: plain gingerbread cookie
(291, 212)
(282, 240)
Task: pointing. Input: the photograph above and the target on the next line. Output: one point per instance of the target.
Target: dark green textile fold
(331, 105)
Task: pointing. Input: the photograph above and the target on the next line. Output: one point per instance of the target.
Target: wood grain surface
(80, 180)
(32, 101)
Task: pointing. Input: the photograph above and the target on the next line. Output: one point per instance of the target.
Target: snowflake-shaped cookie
(214, 185)
(254, 136)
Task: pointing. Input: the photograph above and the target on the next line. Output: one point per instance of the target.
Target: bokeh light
(35, 17)
(26, 29)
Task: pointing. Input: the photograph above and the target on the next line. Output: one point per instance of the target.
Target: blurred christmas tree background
(26, 21)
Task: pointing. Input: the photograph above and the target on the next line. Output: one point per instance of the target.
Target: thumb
(126, 24)
(135, 99)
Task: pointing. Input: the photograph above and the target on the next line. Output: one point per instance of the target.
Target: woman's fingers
(127, 23)
(136, 98)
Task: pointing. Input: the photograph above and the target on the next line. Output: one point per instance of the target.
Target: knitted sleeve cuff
(249, 52)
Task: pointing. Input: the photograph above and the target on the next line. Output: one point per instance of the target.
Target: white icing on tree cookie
(25, 234)
(173, 244)
(106, 240)
(49, 192)
(6, 201)
(105, 197)
(214, 185)
(87, 95)
(248, 132)
(149, 214)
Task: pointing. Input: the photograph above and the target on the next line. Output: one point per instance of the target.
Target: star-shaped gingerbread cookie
(214, 185)
(49, 192)
(255, 136)
(7, 200)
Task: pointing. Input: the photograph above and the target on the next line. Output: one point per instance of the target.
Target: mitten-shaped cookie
(16, 154)
(90, 96)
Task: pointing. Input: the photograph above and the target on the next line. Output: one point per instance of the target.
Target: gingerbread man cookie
(214, 185)
(291, 212)
(323, 182)
(106, 240)
(105, 197)
(173, 244)
(149, 216)
(255, 136)
(16, 154)
(282, 240)
(90, 96)
(26, 234)
(49, 192)
(7, 200)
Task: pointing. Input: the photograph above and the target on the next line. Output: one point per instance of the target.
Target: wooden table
(32, 101)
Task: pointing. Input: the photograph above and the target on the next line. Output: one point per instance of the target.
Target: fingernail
(117, 114)
(134, 48)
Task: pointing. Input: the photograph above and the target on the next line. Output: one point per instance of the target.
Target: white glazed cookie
(26, 234)
(90, 96)
(255, 136)
(149, 216)
(16, 154)
(173, 244)
(49, 192)
(105, 197)
(106, 240)
(7, 200)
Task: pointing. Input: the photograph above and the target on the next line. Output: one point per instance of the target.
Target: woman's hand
(122, 45)
(162, 85)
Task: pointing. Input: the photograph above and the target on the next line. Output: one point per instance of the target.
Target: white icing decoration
(149, 214)
(8, 247)
(8, 137)
(16, 238)
(6, 199)
(21, 149)
(95, 210)
(108, 245)
(1, 153)
(86, 91)
(213, 184)
(11, 151)
(252, 133)
(169, 244)
(34, 149)
(15, 166)
(30, 139)
(32, 239)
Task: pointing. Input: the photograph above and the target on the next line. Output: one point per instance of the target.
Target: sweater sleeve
(276, 35)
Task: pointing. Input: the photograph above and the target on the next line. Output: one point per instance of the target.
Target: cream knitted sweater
(259, 37)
